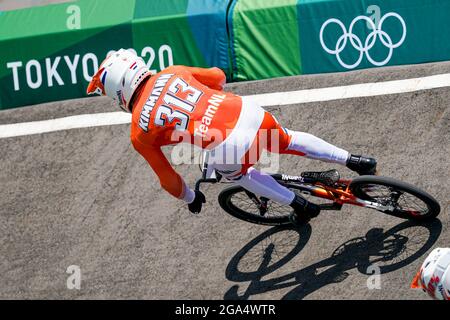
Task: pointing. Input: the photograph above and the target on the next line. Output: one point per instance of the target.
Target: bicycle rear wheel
(409, 202)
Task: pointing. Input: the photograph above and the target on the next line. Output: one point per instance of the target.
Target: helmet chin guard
(118, 77)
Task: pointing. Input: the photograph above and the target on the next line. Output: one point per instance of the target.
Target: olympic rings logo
(357, 43)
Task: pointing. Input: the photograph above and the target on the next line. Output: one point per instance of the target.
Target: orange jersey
(181, 101)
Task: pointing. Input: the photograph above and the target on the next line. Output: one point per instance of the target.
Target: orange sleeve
(169, 179)
(212, 77)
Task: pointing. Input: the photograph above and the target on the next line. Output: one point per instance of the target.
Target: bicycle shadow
(388, 250)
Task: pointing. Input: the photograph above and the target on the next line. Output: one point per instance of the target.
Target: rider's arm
(169, 179)
(212, 77)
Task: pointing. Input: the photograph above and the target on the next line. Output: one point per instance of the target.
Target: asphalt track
(84, 197)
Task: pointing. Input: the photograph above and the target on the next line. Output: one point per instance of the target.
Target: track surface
(85, 197)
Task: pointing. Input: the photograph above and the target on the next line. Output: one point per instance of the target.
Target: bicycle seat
(328, 178)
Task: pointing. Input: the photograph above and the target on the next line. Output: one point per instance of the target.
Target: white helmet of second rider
(434, 274)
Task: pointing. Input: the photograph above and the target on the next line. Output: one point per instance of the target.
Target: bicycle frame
(338, 195)
(317, 189)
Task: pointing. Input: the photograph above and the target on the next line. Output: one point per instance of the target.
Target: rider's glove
(196, 205)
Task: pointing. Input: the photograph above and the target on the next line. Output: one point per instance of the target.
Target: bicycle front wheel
(236, 201)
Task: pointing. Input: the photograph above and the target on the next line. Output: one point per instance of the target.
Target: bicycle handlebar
(204, 180)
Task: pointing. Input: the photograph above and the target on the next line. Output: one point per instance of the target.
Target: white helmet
(434, 275)
(119, 76)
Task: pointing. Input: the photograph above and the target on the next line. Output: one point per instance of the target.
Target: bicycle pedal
(329, 177)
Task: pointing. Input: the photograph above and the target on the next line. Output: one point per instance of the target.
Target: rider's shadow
(388, 250)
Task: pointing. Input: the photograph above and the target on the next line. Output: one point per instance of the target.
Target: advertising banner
(290, 37)
(50, 53)
(264, 39)
(347, 35)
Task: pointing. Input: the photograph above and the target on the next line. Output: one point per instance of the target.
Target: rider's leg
(275, 138)
(264, 185)
(306, 144)
(314, 148)
(255, 181)
(310, 146)
(285, 141)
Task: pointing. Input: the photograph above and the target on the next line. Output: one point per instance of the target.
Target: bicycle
(384, 194)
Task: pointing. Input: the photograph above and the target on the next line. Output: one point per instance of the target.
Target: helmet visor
(96, 86)
(416, 283)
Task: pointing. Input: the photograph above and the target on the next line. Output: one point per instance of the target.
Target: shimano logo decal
(286, 177)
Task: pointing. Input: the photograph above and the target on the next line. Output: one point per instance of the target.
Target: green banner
(347, 35)
(289, 37)
(50, 53)
(265, 39)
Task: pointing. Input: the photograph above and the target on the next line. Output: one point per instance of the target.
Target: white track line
(353, 91)
(266, 99)
(73, 122)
